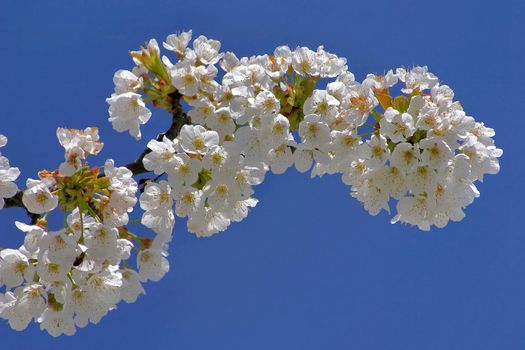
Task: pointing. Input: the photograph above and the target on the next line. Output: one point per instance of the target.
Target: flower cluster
(69, 277)
(425, 152)
(242, 127)
(393, 137)
(8, 176)
(266, 114)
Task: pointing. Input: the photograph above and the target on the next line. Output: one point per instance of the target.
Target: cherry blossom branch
(179, 118)
(263, 115)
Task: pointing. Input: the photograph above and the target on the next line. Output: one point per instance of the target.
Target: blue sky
(309, 268)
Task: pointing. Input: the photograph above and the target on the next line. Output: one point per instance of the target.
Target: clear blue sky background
(309, 268)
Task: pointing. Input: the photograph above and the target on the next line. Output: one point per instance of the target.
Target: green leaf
(205, 175)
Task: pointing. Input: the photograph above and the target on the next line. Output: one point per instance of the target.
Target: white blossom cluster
(397, 139)
(8, 176)
(263, 114)
(426, 155)
(237, 136)
(73, 276)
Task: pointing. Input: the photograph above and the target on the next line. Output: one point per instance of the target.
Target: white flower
(414, 211)
(122, 200)
(397, 126)
(188, 201)
(304, 62)
(152, 265)
(405, 156)
(206, 77)
(105, 285)
(330, 65)
(207, 50)
(184, 78)
(185, 172)
(87, 306)
(314, 131)
(229, 61)
(483, 134)
(275, 131)
(283, 58)
(20, 307)
(13, 266)
(152, 49)
(37, 198)
(75, 224)
(196, 139)
(33, 236)
(241, 209)
(255, 151)
(126, 81)
(223, 157)
(222, 122)
(57, 322)
(266, 103)
(416, 78)
(394, 181)
(7, 177)
(51, 271)
(127, 111)
(357, 103)
(429, 117)
(162, 156)
(131, 286)
(322, 104)
(214, 222)
(281, 159)
(378, 82)
(157, 202)
(156, 195)
(436, 152)
(177, 43)
(18, 317)
(303, 158)
(122, 182)
(345, 144)
(222, 193)
(378, 151)
(442, 95)
(101, 241)
(201, 111)
(483, 159)
(58, 246)
(371, 193)
(248, 176)
(421, 180)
